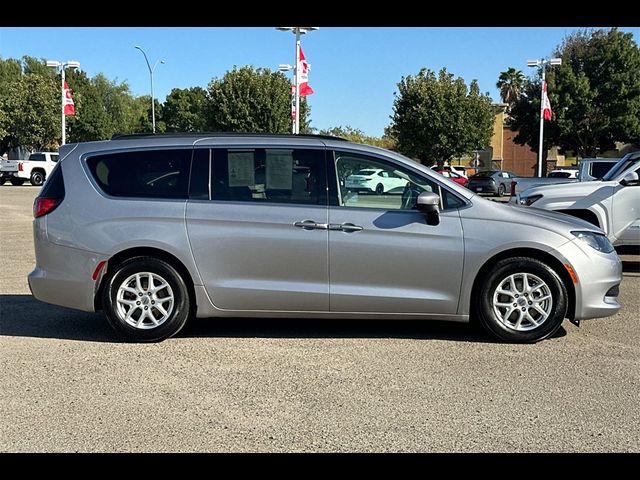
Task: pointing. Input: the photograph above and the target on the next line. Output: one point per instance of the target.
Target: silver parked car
(156, 229)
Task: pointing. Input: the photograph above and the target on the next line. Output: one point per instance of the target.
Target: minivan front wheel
(146, 300)
(522, 300)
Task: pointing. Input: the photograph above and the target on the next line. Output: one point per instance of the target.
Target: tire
(497, 313)
(17, 181)
(132, 321)
(379, 189)
(501, 190)
(2, 181)
(37, 178)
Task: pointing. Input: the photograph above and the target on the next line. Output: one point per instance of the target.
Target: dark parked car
(496, 182)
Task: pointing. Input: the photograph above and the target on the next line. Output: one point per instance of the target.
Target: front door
(259, 238)
(383, 256)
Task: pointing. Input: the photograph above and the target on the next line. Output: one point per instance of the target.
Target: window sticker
(279, 174)
(241, 172)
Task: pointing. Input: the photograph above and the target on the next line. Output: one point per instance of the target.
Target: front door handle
(345, 227)
(311, 225)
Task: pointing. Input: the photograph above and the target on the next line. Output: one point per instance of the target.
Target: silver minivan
(154, 229)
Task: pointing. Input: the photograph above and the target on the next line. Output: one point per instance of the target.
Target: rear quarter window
(147, 173)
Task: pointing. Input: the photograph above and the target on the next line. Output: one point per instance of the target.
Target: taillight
(43, 206)
(20, 167)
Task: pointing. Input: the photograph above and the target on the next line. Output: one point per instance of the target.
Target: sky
(354, 70)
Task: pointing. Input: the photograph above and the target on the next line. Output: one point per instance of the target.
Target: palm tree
(510, 84)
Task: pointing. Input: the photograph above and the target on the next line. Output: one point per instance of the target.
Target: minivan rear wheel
(146, 300)
(522, 300)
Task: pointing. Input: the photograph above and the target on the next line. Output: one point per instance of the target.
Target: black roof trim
(132, 136)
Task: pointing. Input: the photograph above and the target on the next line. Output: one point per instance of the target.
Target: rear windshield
(365, 172)
(485, 174)
(148, 173)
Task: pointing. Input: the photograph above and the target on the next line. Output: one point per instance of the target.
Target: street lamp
(542, 63)
(297, 31)
(151, 70)
(62, 66)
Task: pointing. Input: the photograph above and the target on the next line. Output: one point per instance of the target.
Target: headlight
(529, 200)
(596, 241)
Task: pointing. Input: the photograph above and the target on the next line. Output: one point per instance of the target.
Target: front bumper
(598, 274)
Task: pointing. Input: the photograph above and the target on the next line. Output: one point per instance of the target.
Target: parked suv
(156, 229)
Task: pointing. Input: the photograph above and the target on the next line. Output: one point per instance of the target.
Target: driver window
(369, 182)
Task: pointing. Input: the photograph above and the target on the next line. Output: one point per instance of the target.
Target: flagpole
(296, 121)
(540, 142)
(62, 99)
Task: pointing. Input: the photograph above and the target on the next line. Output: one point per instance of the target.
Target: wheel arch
(123, 255)
(555, 264)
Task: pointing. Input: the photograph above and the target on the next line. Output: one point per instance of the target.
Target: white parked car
(374, 180)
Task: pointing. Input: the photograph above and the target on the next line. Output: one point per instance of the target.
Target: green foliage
(21, 108)
(253, 100)
(185, 110)
(510, 84)
(437, 118)
(594, 95)
(357, 135)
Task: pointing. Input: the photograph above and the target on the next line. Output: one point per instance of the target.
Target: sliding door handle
(345, 227)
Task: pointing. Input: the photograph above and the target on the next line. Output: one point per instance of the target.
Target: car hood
(579, 189)
(520, 215)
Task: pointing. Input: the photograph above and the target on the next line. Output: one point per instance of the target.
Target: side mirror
(630, 179)
(429, 204)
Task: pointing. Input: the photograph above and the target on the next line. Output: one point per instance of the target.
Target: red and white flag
(546, 104)
(69, 107)
(303, 68)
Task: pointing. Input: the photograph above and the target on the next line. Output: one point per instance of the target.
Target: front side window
(361, 183)
(276, 175)
(145, 173)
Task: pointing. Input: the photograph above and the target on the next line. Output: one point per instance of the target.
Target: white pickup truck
(613, 203)
(589, 169)
(36, 168)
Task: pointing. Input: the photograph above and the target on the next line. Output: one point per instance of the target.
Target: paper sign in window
(279, 174)
(241, 172)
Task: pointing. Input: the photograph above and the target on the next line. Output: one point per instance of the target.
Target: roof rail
(131, 136)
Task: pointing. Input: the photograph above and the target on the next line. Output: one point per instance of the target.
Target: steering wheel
(407, 197)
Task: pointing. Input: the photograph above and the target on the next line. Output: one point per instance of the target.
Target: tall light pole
(151, 70)
(297, 31)
(542, 63)
(62, 66)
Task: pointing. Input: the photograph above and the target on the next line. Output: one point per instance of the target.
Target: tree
(510, 84)
(253, 100)
(29, 110)
(357, 135)
(594, 94)
(185, 110)
(141, 116)
(437, 118)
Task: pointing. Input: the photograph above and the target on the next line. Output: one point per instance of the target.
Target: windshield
(622, 165)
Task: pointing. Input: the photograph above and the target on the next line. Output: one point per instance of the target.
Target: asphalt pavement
(240, 385)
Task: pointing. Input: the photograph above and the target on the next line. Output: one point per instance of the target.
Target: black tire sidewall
(171, 326)
(37, 179)
(507, 267)
(380, 187)
(501, 190)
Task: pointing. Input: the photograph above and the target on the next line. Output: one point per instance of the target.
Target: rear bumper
(63, 275)
(483, 188)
